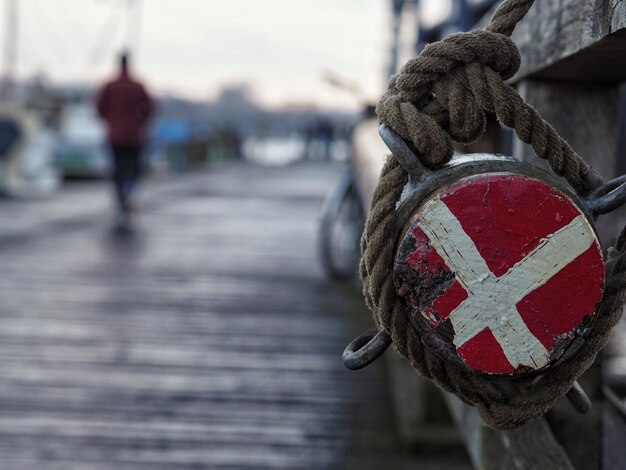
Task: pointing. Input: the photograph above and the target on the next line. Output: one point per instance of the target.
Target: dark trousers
(126, 171)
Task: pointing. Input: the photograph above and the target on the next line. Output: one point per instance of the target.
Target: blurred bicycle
(341, 224)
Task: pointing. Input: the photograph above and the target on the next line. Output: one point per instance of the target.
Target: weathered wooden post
(574, 58)
(572, 62)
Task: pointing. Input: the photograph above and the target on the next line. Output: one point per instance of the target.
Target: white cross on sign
(491, 301)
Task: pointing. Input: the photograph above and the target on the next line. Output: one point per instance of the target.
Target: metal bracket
(608, 197)
(401, 151)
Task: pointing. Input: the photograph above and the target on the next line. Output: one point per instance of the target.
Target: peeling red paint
(507, 217)
(424, 258)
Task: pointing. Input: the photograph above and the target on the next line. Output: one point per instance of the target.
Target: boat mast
(132, 24)
(9, 56)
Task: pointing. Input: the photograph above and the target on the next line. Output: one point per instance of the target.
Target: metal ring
(607, 197)
(366, 348)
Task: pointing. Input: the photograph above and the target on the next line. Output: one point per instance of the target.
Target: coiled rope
(439, 97)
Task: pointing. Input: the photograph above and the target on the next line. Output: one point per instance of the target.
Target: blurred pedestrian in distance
(126, 107)
(325, 134)
(319, 138)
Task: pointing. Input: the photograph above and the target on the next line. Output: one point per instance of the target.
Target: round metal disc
(503, 272)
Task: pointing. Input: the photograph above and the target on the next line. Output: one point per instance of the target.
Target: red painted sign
(511, 264)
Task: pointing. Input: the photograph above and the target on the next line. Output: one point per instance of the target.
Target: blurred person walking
(126, 107)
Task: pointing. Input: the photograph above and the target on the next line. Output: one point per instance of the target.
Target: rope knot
(493, 50)
(444, 94)
(441, 92)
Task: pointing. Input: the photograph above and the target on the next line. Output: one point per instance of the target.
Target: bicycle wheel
(341, 224)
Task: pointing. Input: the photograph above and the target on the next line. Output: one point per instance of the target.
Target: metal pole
(395, 38)
(9, 58)
(138, 18)
(132, 24)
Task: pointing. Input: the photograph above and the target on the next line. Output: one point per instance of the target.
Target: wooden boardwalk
(208, 339)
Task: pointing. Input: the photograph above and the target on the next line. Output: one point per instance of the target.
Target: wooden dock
(207, 339)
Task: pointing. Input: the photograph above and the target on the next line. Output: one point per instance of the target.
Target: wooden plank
(614, 431)
(531, 446)
(587, 116)
(209, 339)
(422, 418)
(574, 40)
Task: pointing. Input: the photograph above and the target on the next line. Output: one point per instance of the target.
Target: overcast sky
(282, 48)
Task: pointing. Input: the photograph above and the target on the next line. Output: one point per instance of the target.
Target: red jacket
(126, 107)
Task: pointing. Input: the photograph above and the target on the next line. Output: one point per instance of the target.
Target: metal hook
(401, 151)
(578, 398)
(366, 348)
(607, 197)
(371, 344)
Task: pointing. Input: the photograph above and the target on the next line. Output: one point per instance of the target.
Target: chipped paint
(523, 267)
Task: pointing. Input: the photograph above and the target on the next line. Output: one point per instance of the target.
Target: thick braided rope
(441, 96)
(444, 93)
